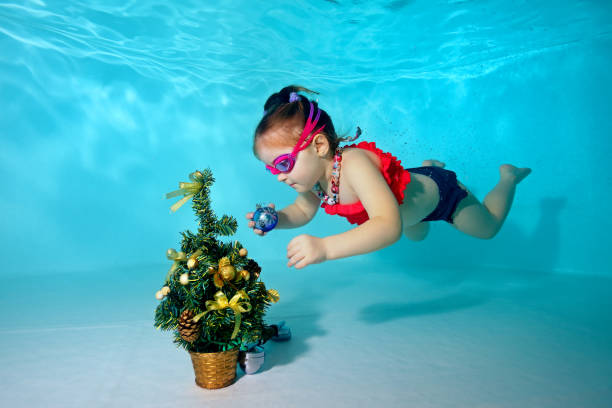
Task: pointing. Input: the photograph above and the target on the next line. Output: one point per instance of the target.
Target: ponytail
(289, 105)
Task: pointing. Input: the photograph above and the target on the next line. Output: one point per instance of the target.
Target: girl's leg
(485, 220)
(433, 162)
(417, 232)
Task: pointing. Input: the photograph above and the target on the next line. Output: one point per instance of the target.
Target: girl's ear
(321, 145)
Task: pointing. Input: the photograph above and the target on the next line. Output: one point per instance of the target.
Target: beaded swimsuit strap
(335, 181)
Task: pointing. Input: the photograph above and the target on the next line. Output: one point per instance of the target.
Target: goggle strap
(307, 141)
(308, 127)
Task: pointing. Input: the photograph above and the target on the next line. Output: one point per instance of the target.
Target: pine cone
(253, 267)
(188, 329)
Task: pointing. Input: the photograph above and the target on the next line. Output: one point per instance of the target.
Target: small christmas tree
(212, 297)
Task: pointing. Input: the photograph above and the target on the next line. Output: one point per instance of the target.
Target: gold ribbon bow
(187, 189)
(235, 304)
(273, 295)
(176, 257)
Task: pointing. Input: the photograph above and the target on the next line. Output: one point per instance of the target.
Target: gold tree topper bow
(187, 189)
(273, 295)
(235, 304)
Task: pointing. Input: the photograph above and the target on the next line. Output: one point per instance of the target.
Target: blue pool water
(106, 106)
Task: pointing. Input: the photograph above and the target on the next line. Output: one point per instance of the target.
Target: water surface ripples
(193, 45)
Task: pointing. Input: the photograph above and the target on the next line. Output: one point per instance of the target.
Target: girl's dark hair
(278, 110)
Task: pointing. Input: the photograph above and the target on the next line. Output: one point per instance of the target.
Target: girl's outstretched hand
(305, 250)
(249, 216)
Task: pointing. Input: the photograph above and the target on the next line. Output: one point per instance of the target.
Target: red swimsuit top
(397, 178)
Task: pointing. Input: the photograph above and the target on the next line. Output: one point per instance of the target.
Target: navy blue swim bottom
(450, 192)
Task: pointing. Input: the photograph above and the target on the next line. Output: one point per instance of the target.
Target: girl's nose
(282, 177)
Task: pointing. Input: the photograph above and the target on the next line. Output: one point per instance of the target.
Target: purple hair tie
(293, 96)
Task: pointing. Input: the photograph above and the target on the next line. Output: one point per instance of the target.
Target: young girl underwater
(297, 142)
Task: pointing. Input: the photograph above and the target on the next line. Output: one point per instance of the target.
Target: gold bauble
(227, 272)
(243, 252)
(171, 253)
(198, 174)
(159, 295)
(242, 274)
(184, 279)
(165, 290)
(224, 262)
(192, 263)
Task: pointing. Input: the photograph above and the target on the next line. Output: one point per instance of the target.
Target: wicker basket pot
(215, 370)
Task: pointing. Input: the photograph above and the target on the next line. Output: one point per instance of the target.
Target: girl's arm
(301, 212)
(294, 215)
(384, 226)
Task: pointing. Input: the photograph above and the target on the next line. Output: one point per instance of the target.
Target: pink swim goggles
(285, 162)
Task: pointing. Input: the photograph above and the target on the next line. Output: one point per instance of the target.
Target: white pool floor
(364, 335)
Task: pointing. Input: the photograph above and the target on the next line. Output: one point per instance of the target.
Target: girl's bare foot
(513, 173)
(432, 162)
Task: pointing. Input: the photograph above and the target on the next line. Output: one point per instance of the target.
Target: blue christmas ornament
(265, 218)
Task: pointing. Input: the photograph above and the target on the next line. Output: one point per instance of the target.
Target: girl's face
(309, 167)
